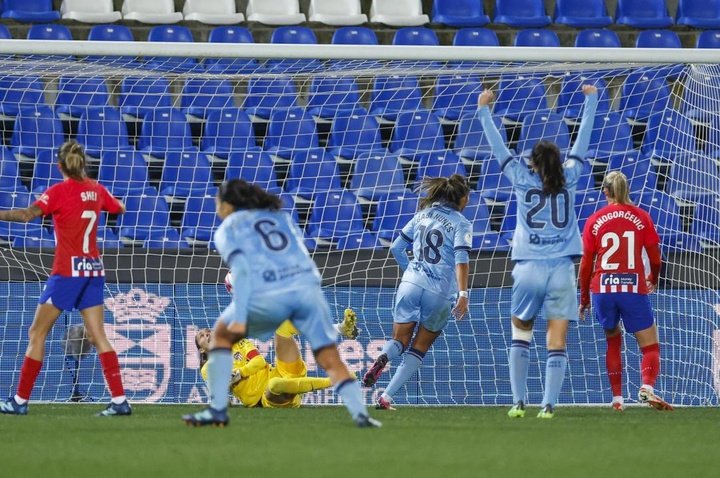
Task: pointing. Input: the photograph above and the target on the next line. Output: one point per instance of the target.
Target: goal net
(344, 134)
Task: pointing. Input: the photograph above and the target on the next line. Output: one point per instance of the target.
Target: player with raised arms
(265, 252)
(612, 268)
(546, 239)
(77, 280)
(438, 273)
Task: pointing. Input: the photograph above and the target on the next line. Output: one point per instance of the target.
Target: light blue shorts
(415, 304)
(306, 308)
(544, 282)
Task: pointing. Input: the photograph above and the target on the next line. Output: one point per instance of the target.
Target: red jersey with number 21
(617, 235)
(75, 207)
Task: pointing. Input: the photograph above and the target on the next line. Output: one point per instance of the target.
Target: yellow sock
(287, 329)
(296, 386)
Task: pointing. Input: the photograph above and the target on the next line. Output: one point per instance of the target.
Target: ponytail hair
(545, 159)
(448, 190)
(244, 195)
(617, 187)
(71, 159)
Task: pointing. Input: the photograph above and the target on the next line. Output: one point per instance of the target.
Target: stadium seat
(521, 13)
(89, 11)
(415, 36)
(712, 145)
(142, 95)
(536, 37)
(41, 240)
(459, 13)
(164, 130)
(157, 11)
(146, 213)
(45, 171)
(691, 177)
(658, 39)
(19, 92)
(361, 240)
(112, 33)
(123, 172)
(706, 221)
(9, 171)
(611, 134)
(543, 125)
(376, 175)
(666, 216)
(471, 144)
(102, 129)
(394, 94)
(312, 171)
(212, 12)
(289, 131)
(699, 13)
(5, 33)
(30, 11)
(668, 134)
(643, 14)
(49, 32)
(226, 131)
(334, 214)
(171, 33)
(76, 94)
(586, 208)
(700, 101)
(232, 34)
(36, 128)
(601, 38)
(336, 12)
(199, 219)
(354, 36)
(255, 166)
(185, 173)
(415, 133)
(455, 96)
(168, 239)
(708, 39)
(352, 134)
(520, 96)
(200, 97)
(398, 13)
(293, 35)
(509, 219)
(582, 13)
(636, 168)
(393, 212)
(475, 37)
(643, 94)
(571, 98)
(493, 184)
(332, 95)
(439, 165)
(483, 237)
(264, 95)
(19, 199)
(277, 12)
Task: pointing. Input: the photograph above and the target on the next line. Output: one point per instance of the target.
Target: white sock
(20, 401)
(118, 400)
(618, 399)
(648, 387)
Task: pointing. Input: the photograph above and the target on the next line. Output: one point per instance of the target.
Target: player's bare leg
(401, 335)
(650, 368)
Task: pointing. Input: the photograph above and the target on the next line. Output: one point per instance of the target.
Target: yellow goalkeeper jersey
(251, 365)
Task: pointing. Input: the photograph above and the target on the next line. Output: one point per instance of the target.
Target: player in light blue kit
(545, 241)
(265, 252)
(441, 238)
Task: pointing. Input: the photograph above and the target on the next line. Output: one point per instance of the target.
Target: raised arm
(580, 148)
(499, 150)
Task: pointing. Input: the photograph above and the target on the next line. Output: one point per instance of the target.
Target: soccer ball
(228, 283)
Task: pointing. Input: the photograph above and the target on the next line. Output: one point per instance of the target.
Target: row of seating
(457, 13)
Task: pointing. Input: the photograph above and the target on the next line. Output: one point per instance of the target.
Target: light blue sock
(352, 397)
(554, 376)
(393, 349)
(519, 363)
(409, 366)
(219, 370)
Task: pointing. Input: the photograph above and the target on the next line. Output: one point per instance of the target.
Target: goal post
(344, 133)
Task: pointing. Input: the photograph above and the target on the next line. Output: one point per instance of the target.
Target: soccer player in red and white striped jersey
(77, 280)
(612, 268)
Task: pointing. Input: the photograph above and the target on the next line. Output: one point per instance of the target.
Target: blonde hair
(448, 190)
(617, 187)
(71, 158)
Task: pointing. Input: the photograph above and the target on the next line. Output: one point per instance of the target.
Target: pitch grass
(68, 441)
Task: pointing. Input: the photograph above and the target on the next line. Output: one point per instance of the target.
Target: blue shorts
(415, 304)
(548, 283)
(306, 308)
(634, 310)
(73, 293)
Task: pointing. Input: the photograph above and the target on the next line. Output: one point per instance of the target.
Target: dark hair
(448, 190)
(244, 195)
(71, 158)
(203, 355)
(545, 158)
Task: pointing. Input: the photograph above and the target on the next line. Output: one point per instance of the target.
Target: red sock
(650, 365)
(28, 374)
(111, 370)
(613, 362)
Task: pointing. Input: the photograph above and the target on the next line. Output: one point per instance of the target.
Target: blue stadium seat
(255, 166)
(107, 238)
(185, 173)
(40, 240)
(475, 37)
(393, 212)
(5, 33)
(638, 170)
(455, 96)
(30, 11)
(439, 164)
(289, 131)
(77, 94)
(395, 94)
(415, 133)
(140, 96)
(459, 13)
(264, 95)
(493, 184)
(354, 133)
(415, 36)
(354, 36)
(171, 33)
(601, 38)
(202, 96)
(168, 239)
(49, 32)
(571, 98)
(123, 172)
(643, 14)
(611, 134)
(471, 144)
(293, 35)
(520, 96)
(658, 39)
(163, 130)
(668, 134)
(699, 13)
(227, 130)
(543, 125)
(330, 95)
(311, 172)
(102, 129)
(692, 176)
(509, 219)
(643, 94)
(483, 237)
(360, 240)
(230, 34)
(708, 39)
(712, 146)
(18, 199)
(19, 92)
(706, 221)
(582, 13)
(36, 129)
(521, 13)
(112, 33)
(666, 216)
(9, 171)
(147, 214)
(536, 37)
(200, 219)
(586, 208)
(377, 175)
(334, 214)
(45, 171)
(699, 99)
